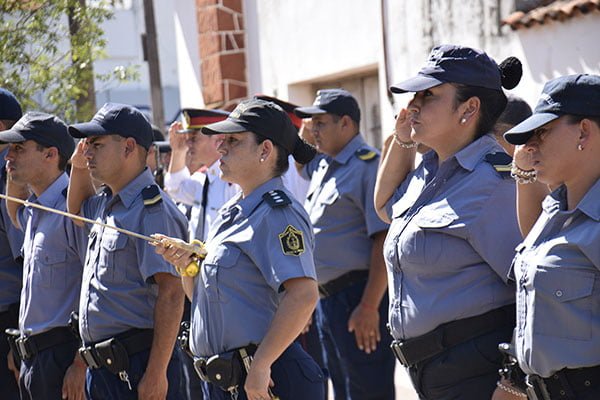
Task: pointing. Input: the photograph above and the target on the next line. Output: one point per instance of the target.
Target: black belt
(412, 351)
(29, 346)
(226, 370)
(133, 340)
(564, 384)
(338, 284)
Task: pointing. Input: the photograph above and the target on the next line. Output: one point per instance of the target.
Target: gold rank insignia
(292, 241)
(187, 121)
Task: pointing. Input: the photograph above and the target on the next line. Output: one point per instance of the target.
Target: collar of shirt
(133, 189)
(469, 156)
(53, 193)
(349, 149)
(213, 172)
(249, 203)
(589, 204)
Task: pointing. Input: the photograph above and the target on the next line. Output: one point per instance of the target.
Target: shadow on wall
(562, 47)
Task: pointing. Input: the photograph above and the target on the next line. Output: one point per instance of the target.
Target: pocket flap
(223, 256)
(50, 257)
(564, 284)
(113, 241)
(435, 220)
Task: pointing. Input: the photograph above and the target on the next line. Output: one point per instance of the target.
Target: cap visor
(11, 136)
(308, 112)
(521, 133)
(87, 129)
(416, 84)
(226, 126)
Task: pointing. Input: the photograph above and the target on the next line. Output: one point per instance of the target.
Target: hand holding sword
(174, 249)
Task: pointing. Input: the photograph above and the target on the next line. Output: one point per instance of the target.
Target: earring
(262, 159)
(463, 120)
(579, 147)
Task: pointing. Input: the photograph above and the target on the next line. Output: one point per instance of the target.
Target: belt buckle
(200, 367)
(536, 388)
(21, 343)
(88, 357)
(397, 350)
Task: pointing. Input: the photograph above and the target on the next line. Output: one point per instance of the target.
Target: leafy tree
(47, 52)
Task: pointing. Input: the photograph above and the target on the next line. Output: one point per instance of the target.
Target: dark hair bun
(511, 71)
(303, 152)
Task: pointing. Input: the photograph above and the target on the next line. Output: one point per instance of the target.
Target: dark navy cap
(332, 101)
(45, 129)
(194, 118)
(9, 106)
(116, 119)
(516, 111)
(454, 64)
(567, 95)
(286, 106)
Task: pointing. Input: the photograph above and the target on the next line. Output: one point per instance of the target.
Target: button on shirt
(341, 209)
(52, 266)
(11, 240)
(557, 270)
(451, 241)
(118, 290)
(187, 189)
(238, 289)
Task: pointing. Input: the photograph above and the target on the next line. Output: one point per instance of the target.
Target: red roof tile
(557, 11)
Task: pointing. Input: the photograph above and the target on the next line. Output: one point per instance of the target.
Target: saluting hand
(402, 129)
(364, 322)
(522, 158)
(177, 140)
(78, 159)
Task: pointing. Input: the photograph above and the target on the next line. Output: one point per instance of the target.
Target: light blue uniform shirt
(11, 241)
(451, 241)
(118, 291)
(52, 266)
(557, 269)
(238, 289)
(340, 204)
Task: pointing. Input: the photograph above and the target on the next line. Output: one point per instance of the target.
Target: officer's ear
(266, 149)
(51, 153)
(130, 146)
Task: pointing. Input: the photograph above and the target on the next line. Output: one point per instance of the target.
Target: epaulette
(501, 163)
(365, 154)
(151, 195)
(276, 198)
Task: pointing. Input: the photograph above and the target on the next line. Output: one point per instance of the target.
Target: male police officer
(353, 280)
(11, 240)
(131, 299)
(40, 147)
(202, 190)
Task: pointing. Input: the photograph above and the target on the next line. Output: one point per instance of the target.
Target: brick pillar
(222, 52)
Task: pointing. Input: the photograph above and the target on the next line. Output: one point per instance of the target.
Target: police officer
(39, 149)
(557, 267)
(11, 261)
(353, 308)
(453, 226)
(203, 190)
(257, 287)
(158, 156)
(131, 299)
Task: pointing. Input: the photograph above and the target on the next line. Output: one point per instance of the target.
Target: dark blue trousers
(8, 385)
(295, 374)
(103, 385)
(42, 376)
(467, 371)
(190, 386)
(355, 374)
(311, 343)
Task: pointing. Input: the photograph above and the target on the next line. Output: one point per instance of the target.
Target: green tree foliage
(47, 51)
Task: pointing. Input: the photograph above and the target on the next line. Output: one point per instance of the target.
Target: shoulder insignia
(151, 195)
(501, 163)
(276, 198)
(292, 241)
(365, 154)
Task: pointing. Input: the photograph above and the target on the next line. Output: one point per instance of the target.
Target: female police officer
(257, 283)
(557, 267)
(453, 226)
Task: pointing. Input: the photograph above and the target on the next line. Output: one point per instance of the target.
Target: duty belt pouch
(113, 355)
(12, 335)
(225, 370)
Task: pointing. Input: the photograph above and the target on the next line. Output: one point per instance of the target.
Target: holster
(12, 335)
(112, 355)
(226, 370)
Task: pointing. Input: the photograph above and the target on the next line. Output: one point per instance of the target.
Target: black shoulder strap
(151, 195)
(276, 198)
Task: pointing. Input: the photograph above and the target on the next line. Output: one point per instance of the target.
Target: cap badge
(186, 120)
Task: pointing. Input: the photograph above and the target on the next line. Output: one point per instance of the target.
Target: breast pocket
(216, 267)
(563, 302)
(112, 260)
(50, 268)
(424, 238)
